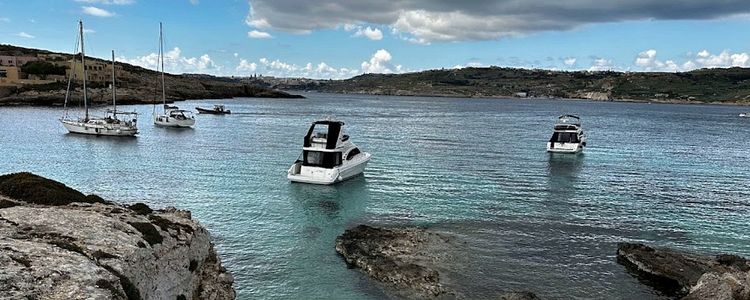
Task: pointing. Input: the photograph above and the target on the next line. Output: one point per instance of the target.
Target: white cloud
(371, 33)
(647, 61)
(25, 35)
(91, 31)
(236, 54)
(175, 62)
(194, 2)
(602, 64)
(107, 2)
(254, 34)
(97, 12)
(5, 20)
(378, 63)
(447, 21)
(570, 61)
(245, 67)
(470, 65)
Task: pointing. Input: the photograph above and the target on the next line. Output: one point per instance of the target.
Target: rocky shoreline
(685, 275)
(57, 243)
(406, 260)
(103, 96)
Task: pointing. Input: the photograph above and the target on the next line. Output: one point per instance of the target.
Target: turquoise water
(670, 175)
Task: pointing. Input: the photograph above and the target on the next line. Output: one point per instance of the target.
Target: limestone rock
(725, 277)
(83, 250)
(393, 256)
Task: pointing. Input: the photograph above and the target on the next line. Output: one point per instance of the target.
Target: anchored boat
(328, 156)
(171, 116)
(114, 123)
(568, 136)
(218, 109)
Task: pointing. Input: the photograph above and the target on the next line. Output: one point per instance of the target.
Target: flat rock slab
(682, 274)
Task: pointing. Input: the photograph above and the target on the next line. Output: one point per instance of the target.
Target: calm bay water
(669, 175)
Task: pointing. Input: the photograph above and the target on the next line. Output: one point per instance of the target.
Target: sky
(344, 38)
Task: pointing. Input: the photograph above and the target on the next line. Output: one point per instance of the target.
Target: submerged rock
(518, 296)
(83, 250)
(394, 256)
(688, 275)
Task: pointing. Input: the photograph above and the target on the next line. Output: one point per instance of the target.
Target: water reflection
(563, 171)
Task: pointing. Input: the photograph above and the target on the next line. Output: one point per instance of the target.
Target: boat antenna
(85, 74)
(114, 89)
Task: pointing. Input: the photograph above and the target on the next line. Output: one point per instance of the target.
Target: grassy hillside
(706, 85)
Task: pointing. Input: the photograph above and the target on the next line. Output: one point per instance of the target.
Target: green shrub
(41, 67)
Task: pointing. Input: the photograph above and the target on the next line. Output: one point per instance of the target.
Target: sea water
(475, 169)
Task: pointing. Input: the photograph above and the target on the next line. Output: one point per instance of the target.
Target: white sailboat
(110, 125)
(171, 116)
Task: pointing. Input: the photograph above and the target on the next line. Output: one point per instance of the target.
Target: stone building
(16, 61)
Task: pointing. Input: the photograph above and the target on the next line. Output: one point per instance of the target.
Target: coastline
(510, 97)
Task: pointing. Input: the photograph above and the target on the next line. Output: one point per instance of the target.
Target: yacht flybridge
(114, 123)
(171, 116)
(568, 136)
(328, 156)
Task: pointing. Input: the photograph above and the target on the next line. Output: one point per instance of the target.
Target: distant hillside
(135, 85)
(730, 85)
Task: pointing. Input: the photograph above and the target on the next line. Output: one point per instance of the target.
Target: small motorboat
(745, 115)
(328, 156)
(217, 110)
(568, 136)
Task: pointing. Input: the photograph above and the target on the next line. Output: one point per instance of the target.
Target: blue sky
(343, 38)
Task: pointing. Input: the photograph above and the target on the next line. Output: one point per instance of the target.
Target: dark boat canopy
(332, 136)
(328, 122)
(569, 116)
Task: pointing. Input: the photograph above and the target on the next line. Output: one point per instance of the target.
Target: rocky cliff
(56, 243)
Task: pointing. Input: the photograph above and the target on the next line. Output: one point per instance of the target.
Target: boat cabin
(180, 114)
(326, 145)
(325, 134)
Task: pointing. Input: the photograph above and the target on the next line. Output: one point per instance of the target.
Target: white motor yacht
(328, 156)
(568, 136)
(745, 115)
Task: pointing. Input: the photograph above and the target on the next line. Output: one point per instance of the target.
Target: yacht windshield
(321, 159)
(564, 137)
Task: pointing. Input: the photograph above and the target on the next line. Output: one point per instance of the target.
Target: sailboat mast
(114, 88)
(161, 54)
(85, 74)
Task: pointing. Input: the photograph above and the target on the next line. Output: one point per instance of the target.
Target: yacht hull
(572, 148)
(100, 130)
(164, 121)
(322, 176)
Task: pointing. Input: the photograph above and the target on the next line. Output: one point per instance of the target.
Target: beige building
(96, 71)
(15, 61)
(9, 76)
